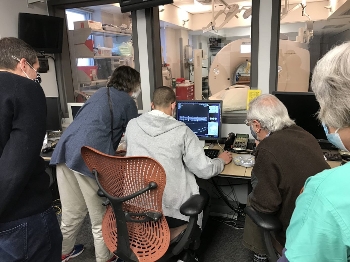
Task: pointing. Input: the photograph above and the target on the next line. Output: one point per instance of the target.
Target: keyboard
(212, 153)
(332, 156)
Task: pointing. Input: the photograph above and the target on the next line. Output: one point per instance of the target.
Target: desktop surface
(234, 171)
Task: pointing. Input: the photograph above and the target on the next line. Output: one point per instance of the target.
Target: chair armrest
(267, 222)
(193, 206)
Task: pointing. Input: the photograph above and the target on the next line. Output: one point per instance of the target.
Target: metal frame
(275, 44)
(254, 44)
(153, 54)
(238, 118)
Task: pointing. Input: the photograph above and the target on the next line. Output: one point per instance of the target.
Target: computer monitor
(53, 114)
(203, 117)
(302, 108)
(73, 109)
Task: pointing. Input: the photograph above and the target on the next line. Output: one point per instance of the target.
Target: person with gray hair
(285, 157)
(319, 229)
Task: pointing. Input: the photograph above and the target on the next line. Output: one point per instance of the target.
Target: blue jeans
(35, 238)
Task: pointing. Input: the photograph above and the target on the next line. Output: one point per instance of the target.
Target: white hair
(331, 85)
(270, 112)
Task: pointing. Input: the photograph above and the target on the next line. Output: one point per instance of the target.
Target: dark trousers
(36, 238)
(253, 236)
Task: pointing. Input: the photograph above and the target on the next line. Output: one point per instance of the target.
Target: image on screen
(75, 110)
(202, 117)
(303, 108)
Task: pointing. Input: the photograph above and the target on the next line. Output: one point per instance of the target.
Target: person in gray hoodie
(159, 135)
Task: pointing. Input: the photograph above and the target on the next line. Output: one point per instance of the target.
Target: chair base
(188, 256)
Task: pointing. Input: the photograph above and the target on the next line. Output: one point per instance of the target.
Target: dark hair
(11, 46)
(163, 96)
(125, 78)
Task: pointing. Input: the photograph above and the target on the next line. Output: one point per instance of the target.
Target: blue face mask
(254, 134)
(334, 138)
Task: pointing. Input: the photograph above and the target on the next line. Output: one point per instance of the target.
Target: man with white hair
(319, 229)
(285, 157)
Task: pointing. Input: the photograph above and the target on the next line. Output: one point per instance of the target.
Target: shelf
(95, 82)
(107, 33)
(112, 57)
(83, 47)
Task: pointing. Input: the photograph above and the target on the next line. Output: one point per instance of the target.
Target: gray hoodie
(178, 150)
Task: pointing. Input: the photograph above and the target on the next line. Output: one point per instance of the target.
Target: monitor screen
(53, 114)
(43, 33)
(203, 117)
(73, 109)
(303, 108)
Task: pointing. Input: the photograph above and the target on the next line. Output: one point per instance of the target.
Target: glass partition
(100, 40)
(206, 53)
(308, 30)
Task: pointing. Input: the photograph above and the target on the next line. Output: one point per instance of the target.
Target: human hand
(226, 156)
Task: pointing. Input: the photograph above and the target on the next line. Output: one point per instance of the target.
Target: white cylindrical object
(301, 31)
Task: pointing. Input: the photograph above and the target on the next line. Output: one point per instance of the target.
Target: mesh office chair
(268, 223)
(134, 227)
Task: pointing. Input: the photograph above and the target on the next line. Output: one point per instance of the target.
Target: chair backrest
(120, 177)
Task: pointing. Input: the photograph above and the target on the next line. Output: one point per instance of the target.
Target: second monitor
(203, 117)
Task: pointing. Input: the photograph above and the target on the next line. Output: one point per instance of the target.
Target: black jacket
(283, 161)
(24, 185)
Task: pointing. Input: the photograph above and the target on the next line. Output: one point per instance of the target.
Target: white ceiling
(195, 7)
(329, 26)
(112, 9)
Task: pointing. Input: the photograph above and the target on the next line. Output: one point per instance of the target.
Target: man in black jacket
(29, 228)
(285, 157)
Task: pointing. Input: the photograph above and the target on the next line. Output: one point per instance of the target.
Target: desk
(232, 171)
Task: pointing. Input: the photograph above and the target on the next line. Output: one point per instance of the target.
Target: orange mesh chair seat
(134, 227)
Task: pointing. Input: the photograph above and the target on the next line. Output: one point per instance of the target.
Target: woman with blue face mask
(100, 124)
(320, 226)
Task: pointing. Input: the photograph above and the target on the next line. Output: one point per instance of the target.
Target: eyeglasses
(38, 77)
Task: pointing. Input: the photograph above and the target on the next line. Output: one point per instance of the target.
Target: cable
(224, 198)
(217, 141)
